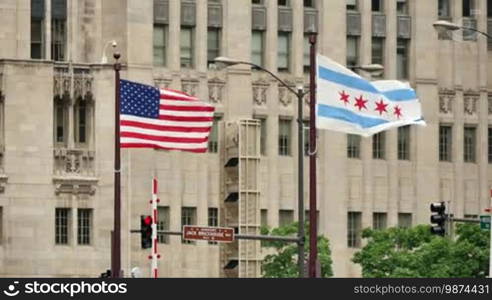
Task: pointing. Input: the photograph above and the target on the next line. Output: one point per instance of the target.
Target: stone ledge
(75, 185)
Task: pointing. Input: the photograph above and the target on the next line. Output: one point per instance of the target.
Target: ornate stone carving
(470, 102)
(190, 86)
(75, 186)
(260, 88)
(74, 162)
(284, 95)
(446, 101)
(72, 85)
(162, 83)
(216, 90)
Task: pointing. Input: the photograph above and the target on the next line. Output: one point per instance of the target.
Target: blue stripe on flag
(364, 85)
(333, 112)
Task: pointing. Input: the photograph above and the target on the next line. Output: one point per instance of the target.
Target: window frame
(62, 231)
(285, 217)
(258, 56)
(379, 146)
(402, 56)
(217, 50)
(354, 229)
(404, 142)
(163, 223)
(213, 145)
(470, 150)
(58, 39)
(405, 220)
(284, 53)
(191, 48)
(285, 142)
(84, 226)
(263, 133)
(160, 48)
(379, 220)
(353, 150)
(184, 220)
(445, 143)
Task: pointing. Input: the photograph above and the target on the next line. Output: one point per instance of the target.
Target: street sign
(485, 222)
(214, 234)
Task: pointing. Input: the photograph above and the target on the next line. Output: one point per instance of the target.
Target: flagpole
(116, 249)
(313, 240)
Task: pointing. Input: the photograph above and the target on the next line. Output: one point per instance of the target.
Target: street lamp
(104, 59)
(223, 62)
(443, 26)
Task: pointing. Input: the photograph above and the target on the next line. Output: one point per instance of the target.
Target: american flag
(163, 119)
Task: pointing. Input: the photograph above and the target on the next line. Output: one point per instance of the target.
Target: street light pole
(313, 235)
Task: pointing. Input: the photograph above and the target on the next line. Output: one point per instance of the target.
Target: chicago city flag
(163, 119)
(348, 103)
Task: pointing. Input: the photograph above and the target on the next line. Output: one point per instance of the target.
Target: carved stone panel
(446, 101)
(285, 96)
(470, 103)
(260, 88)
(216, 90)
(190, 86)
(73, 84)
(74, 162)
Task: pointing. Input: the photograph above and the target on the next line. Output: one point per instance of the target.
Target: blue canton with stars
(139, 99)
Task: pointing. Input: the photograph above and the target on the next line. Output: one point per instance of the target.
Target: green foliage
(415, 252)
(283, 264)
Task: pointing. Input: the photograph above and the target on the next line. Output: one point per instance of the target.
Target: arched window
(60, 119)
(82, 121)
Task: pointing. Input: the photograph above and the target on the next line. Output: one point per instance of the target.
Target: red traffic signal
(146, 232)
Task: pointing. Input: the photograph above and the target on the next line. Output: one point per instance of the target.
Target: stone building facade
(56, 123)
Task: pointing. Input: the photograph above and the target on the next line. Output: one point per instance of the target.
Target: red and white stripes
(154, 256)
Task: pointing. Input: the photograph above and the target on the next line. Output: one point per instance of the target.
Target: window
(379, 221)
(468, 8)
(351, 4)
(284, 137)
(84, 220)
(306, 54)
(257, 47)
(160, 44)
(404, 220)
(213, 220)
(306, 217)
(61, 122)
(470, 143)
(263, 133)
(213, 45)
(285, 217)
(445, 142)
(352, 51)
(354, 228)
(81, 112)
(309, 3)
(473, 217)
(353, 146)
(444, 9)
(489, 8)
(163, 219)
(37, 38)
(404, 143)
(402, 7)
(264, 217)
(305, 137)
(188, 217)
(402, 54)
(213, 139)
(187, 47)
(378, 145)
(62, 216)
(283, 51)
(378, 51)
(490, 144)
(259, 2)
(377, 5)
(283, 2)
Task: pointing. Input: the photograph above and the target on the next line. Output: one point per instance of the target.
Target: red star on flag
(344, 97)
(381, 107)
(398, 113)
(360, 103)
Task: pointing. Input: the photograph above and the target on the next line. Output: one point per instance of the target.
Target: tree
(283, 264)
(415, 252)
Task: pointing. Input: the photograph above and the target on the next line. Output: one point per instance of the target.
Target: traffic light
(146, 231)
(439, 219)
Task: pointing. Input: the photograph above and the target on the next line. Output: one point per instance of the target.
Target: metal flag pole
(313, 241)
(116, 249)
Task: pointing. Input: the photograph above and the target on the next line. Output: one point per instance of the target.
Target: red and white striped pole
(154, 256)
